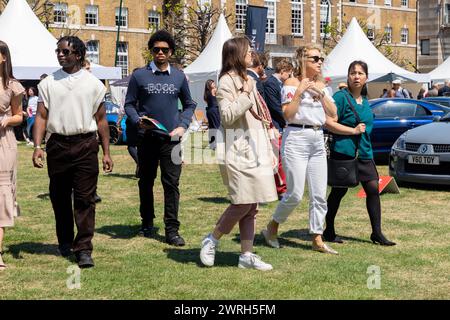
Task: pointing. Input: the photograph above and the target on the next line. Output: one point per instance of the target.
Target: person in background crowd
(328, 86)
(87, 65)
(43, 76)
(306, 106)
(272, 96)
(399, 91)
(264, 62)
(20, 131)
(391, 93)
(343, 85)
(246, 159)
(421, 94)
(212, 111)
(434, 91)
(256, 71)
(11, 92)
(349, 134)
(383, 95)
(445, 90)
(71, 109)
(31, 108)
(155, 147)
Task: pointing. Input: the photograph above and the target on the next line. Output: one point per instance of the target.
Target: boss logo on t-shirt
(163, 88)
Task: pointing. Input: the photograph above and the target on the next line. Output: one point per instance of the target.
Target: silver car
(422, 154)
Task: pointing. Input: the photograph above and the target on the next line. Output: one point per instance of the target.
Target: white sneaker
(208, 251)
(271, 243)
(252, 261)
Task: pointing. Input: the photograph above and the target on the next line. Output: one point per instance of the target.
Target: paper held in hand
(155, 125)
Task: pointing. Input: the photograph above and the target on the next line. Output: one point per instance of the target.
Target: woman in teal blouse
(347, 132)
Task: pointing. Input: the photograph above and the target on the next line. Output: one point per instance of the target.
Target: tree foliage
(191, 25)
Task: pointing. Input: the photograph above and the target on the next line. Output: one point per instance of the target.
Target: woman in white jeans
(306, 105)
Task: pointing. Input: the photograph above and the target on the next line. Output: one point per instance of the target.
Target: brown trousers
(73, 167)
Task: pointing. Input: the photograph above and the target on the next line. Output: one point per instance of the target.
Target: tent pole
(118, 33)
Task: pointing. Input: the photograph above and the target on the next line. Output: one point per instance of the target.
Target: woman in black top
(212, 111)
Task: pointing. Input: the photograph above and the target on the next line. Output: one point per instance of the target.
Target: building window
(91, 15)
(271, 25)
(370, 1)
(371, 33)
(153, 20)
(325, 17)
(92, 52)
(404, 3)
(404, 36)
(425, 47)
(297, 17)
(122, 58)
(447, 14)
(241, 13)
(354, 1)
(388, 34)
(123, 20)
(60, 13)
(388, 3)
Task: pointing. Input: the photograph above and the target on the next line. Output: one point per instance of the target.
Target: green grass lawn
(131, 267)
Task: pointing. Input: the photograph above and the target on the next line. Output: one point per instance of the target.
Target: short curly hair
(77, 45)
(162, 35)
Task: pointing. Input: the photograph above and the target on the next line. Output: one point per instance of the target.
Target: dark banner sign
(255, 27)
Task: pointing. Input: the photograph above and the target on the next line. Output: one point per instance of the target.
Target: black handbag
(344, 173)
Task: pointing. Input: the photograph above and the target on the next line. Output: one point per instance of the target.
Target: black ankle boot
(381, 239)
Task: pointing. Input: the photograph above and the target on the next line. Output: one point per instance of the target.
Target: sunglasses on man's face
(316, 58)
(156, 50)
(65, 52)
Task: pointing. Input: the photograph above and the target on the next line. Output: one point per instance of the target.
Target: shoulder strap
(358, 121)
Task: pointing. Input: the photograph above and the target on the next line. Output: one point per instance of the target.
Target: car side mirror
(436, 118)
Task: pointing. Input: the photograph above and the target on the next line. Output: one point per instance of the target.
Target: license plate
(427, 160)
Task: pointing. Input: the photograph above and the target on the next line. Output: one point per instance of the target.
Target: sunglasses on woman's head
(156, 50)
(65, 52)
(317, 58)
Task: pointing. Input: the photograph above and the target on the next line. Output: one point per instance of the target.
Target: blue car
(393, 116)
(117, 132)
(443, 101)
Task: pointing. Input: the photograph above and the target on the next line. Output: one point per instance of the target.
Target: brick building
(290, 23)
(433, 33)
(296, 22)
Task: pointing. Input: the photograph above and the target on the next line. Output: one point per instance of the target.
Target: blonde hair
(300, 60)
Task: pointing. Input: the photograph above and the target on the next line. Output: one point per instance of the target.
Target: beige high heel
(324, 249)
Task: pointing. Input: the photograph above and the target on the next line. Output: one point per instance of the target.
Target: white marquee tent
(32, 45)
(208, 63)
(355, 45)
(442, 72)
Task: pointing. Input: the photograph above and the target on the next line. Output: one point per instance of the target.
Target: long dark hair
(233, 56)
(208, 84)
(6, 66)
(351, 67)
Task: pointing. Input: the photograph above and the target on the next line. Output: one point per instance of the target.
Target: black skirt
(367, 169)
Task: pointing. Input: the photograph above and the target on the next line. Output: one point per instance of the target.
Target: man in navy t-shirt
(153, 91)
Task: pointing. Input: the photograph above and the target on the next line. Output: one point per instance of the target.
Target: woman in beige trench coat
(245, 155)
